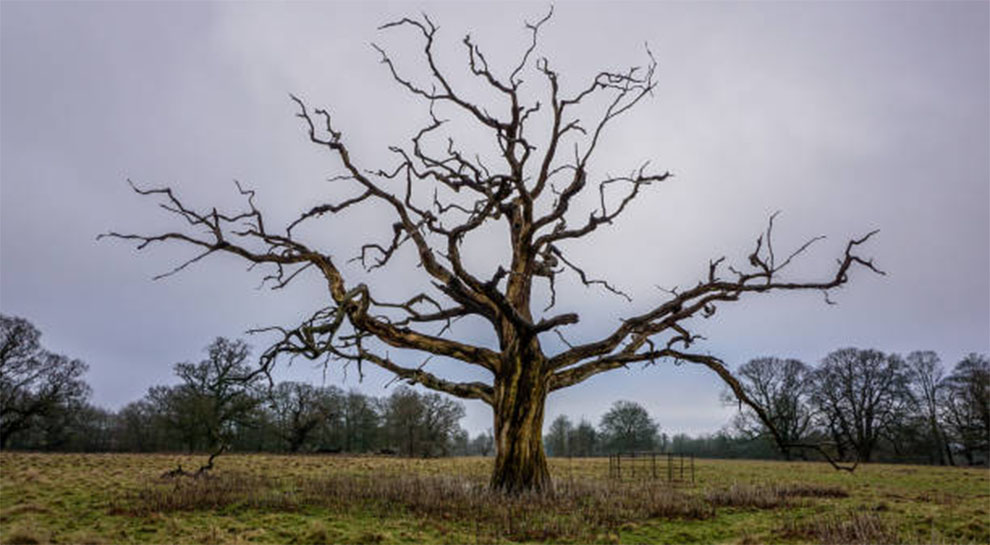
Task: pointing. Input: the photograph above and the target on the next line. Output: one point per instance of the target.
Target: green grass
(120, 498)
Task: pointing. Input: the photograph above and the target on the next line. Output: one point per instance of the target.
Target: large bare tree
(531, 185)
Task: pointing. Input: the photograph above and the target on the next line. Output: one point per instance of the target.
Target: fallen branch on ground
(201, 472)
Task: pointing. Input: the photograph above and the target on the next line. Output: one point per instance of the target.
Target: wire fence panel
(668, 466)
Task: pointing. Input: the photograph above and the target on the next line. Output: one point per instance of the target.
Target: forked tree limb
(702, 299)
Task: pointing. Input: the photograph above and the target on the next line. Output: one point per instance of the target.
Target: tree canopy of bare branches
(783, 388)
(861, 394)
(215, 396)
(33, 381)
(547, 134)
(966, 404)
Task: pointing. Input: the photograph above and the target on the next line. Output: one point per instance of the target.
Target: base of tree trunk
(515, 477)
(520, 462)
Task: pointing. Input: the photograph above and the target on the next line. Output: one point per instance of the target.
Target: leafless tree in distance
(926, 374)
(783, 388)
(966, 406)
(545, 135)
(861, 395)
(33, 381)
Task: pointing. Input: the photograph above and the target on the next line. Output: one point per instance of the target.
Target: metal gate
(666, 466)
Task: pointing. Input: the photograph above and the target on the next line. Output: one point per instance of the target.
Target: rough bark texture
(520, 462)
(541, 190)
(520, 396)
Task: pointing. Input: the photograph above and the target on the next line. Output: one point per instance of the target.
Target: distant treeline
(860, 404)
(44, 405)
(857, 404)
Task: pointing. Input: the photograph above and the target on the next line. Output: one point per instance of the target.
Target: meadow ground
(122, 498)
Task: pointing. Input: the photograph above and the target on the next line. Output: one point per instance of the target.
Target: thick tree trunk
(840, 447)
(520, 387)
(936, 438)
(948, 451)
(520, 462)
(865, 451)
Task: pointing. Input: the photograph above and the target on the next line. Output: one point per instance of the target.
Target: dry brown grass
(810, 490)
(24, 536)
(101, 499)
(864, 528)
(769, 496)
(576, 510)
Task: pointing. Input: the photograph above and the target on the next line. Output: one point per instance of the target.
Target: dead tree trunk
(520, 462)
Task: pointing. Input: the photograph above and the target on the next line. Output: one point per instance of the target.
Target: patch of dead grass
(865, 528)
(575, 510)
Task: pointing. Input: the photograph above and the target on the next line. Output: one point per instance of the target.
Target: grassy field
(119, 498)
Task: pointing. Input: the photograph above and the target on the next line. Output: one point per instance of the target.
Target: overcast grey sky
(846, 116)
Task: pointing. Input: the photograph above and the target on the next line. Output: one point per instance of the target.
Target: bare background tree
(216, 397)
(783, 388)
(861, 394)
(966, 403)
(628, 427)
(34, 383)
(299, 410)
(533, 181)
(298, 417)
(421, 425)
(926, 385)
(558, 437)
